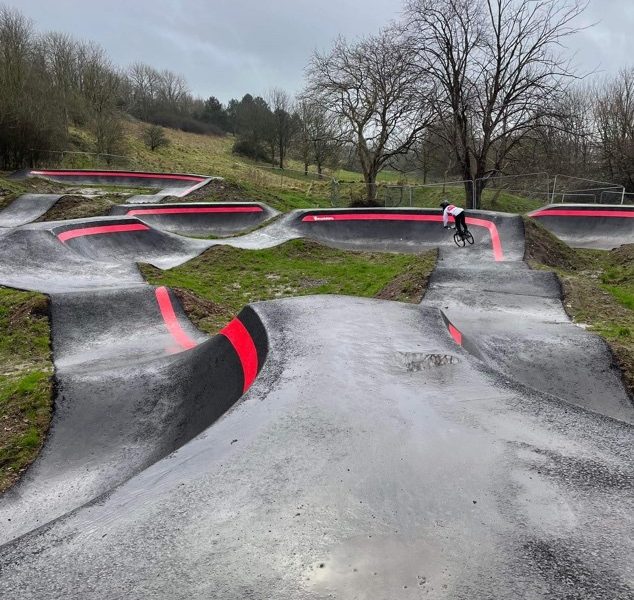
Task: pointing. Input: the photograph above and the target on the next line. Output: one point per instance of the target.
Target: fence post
(334, 192)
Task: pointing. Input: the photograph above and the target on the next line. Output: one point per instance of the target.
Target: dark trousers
(461, 225)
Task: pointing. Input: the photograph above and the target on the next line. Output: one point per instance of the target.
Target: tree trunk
(281, 149)
(468, 190)
(370, 184)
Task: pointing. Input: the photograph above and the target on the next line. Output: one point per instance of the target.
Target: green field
(282, 189)
(598, 289)
(25, 380)
(228, 278)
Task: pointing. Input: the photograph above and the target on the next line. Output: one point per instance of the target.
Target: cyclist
(457, 213)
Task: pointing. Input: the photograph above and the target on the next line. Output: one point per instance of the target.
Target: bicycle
(461, 239)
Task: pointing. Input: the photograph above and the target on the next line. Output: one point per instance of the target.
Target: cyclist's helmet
(444, 204)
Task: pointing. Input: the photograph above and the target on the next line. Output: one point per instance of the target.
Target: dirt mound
(624, 255)
(78, 207)
(201, 311)
(218, 190)
(410, 286)
(543, 247)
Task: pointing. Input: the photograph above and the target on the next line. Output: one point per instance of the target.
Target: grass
(283, 190)
(218, 283)
(598, 290)
(73, 206)
(25, 380)
(76, 207)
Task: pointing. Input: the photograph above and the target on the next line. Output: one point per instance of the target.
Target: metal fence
(349, 193)
(78, 160)
(567, 188)
(519, 193)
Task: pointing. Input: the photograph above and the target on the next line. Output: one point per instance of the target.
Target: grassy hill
(247, 180)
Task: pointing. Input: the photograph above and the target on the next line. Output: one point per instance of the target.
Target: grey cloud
(230, 47)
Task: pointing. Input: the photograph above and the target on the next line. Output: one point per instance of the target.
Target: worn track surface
(589, 225)
(27, 208)
(200, 218)
(478, 445)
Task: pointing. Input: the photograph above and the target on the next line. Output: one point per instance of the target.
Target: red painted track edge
(73, 233)
(498, 254)
(188, 210)
(244, 346)
(455, 334)
(130, 174)
(583, 213)
(171, 322)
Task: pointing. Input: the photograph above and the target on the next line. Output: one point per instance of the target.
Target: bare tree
(101, 88)
(144, 82)
(172, 90)
(283, 124)
(376, 95)
(614, 116)
(59, 53)
(154, 137)
(305, 114)
(317, 137)
(30, 118)
(498, 71)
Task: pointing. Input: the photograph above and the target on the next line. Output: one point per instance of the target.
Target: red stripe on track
(178, 211)
(498, 255)
(73, 233)
(171, 322)
(493, 230)
(583, 213)
(455, 334)
(131, 174)
(244, 346)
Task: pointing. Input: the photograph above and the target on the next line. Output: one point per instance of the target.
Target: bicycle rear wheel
(458, 239)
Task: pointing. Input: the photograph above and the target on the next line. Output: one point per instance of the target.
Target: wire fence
(616, 197)
(79, 160)
(351, 193)
(516, 193)
(580, 190)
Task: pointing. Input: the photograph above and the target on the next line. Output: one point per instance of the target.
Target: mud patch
(414, 361)
(79, 207)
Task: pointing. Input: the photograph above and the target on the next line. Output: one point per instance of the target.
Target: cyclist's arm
(445, 217)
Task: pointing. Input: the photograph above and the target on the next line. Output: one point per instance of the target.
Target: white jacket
(450, 210)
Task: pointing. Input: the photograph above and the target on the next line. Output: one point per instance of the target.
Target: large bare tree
(614, 118)
(283, 126)
(499, 72)
(374, 90)
(317, 138)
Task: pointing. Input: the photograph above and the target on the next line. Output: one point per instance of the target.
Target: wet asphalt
(374, 457)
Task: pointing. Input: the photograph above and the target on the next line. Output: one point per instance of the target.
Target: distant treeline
(50, 82)
(455, 90)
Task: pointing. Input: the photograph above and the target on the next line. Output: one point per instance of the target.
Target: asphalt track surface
(589, 225)
(478, 445)
(178, 185)
(200, 218)
(27, 208)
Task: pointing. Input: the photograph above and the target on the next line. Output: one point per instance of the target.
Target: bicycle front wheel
(458, 239)
(469, 237)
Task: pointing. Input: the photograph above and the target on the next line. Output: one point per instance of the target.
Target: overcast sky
(227, 48)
